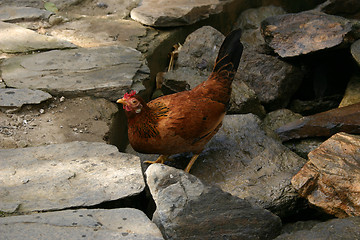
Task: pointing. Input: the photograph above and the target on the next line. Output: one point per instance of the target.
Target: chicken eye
(134, 101)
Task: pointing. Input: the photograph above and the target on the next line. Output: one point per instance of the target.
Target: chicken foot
(161, 159)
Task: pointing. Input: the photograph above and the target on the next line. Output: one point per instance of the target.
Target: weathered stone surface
(66, 175)
(278, 118)
(331, 180)
(301, 33)
(249, 21)
(345, 229)
(13, 14)
(188, 209)
(102, 72)
(16, 39)
(175, 13)
(94, 32)
(195, 63)
(346, 8)
(38, 3)
(352, 93)
(15, 98)
(113, 8)
(345, 119)
(273, 80)
(355, 51)
(245, 162)
(57, 121)
(123, 223)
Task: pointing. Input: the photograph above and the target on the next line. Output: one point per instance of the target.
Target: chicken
(184, 121)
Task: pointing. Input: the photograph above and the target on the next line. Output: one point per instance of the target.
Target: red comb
(129, 95)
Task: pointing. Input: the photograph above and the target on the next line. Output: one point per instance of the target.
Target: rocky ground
(285, 164)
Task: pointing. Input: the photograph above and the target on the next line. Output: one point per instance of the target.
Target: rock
(299, 225)
(330, 179)
(273, 80)
(243, 161)
(305, 32)
(176, 13)
(278, 118)
(14, 14)
(95, 32)
(346, 229)
(16, 39)
(249, 21)
(101, 72)
(123, 223)
(188, 209)
(15, 98)
(104, 8)
(57, 121)
(352, 93)
(39, 3)
(69, 175)
(345, 119)
(355, 51)
(195, 63)
(346, 8)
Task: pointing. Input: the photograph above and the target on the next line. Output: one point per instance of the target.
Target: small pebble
(62, 99)
(41, 111)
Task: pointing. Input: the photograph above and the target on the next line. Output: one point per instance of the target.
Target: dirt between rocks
(58, 120)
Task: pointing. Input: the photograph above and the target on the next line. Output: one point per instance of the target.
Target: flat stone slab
(16, 39)
(175, 13)
(305, 32)
(102, 72)
(355, 51)
(23, 13)
(17, 97)
(66, 175)
(124, 223)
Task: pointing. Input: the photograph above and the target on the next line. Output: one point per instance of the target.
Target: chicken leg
(192, 160)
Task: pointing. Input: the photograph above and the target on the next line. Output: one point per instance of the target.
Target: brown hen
(184, 121)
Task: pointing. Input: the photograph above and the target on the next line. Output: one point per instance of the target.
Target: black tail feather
(229, 54)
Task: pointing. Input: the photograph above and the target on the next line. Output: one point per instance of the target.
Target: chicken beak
(122, 101)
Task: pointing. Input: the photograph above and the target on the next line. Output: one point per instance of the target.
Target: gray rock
(175, 13)
(301, 33)
(16, 39)
(66, 175)
(273, 80)
(17, 97)
(250, 20)
(124, 223)
(38, 3)
(188, 209)
(352, 92)
(244, 161)
(95, 32)
(13, 14)
(195, 63)
(102, 72)
(355, 51)
(345, 229)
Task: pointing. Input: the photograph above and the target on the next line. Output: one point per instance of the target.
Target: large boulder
(157, 13)
(331, 180)
(123, 223)
(102, 72)
(188, 209)
(69, 175)
(16, 39)
(305, 32)
(344, 229)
